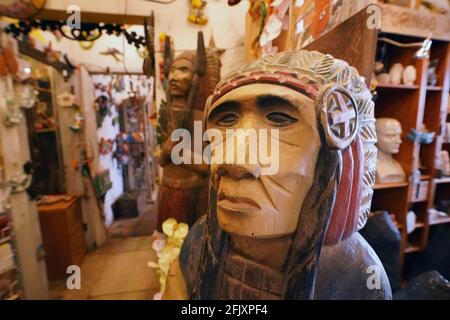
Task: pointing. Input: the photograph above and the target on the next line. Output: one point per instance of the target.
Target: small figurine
(395, 74)
(384, 78)
(409, 75)
(431, 72)
(78, 122)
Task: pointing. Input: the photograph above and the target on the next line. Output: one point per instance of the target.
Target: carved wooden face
(251, 204)
(389, 135)
(180, 77)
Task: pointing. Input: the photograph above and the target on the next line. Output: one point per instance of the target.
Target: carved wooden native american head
(322, 191)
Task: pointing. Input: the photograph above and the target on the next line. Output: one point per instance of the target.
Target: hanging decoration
(52, 55)
(88, 32)
(78, 122)
(26, 95)
(277, 21)
(23, 71)
(196, 14)
(44, 119)
(20, 182)
(148, 66)
(102, 109)
(105, 146)
(113, 52)
(12, 115)
(123, 141)
(8, 59)
(21, 9)
(66, 100)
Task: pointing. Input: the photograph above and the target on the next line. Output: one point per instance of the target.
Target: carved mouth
(237, 204)
(174, 85)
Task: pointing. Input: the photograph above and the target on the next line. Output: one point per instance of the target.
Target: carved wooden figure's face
(265, 206)
(389, 135)
(180, 77)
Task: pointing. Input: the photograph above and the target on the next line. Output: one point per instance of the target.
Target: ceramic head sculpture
(389, 140)
(264, 234)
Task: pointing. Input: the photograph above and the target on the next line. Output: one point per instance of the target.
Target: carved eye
(280, 118)
(227, 120)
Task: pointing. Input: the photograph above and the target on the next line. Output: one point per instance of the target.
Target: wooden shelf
(43, 90)
(420, 225)
(434, 88)
(398, 86)
(439, 221)
(45, 130)
(442, 180)
(380, 186)
(411, 248)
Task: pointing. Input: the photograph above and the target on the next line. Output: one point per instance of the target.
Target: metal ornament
(338, 115)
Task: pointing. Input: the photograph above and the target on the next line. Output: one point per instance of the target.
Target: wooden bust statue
(291, 234)
(183, 191)
(389, 140)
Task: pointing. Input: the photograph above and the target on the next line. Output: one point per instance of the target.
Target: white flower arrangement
(167, 247)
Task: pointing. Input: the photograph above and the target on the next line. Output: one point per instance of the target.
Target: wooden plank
(416, 23)
(26, 49)
(357, 48)
(92, 17)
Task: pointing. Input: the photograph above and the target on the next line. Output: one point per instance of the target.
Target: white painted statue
(389, 140)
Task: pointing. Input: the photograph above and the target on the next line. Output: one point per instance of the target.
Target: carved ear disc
(338, 115)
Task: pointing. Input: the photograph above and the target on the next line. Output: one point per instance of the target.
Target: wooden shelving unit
(413, 106)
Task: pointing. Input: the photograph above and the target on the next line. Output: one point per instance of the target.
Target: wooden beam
(26, 49)
(92, 17)
(351, 41)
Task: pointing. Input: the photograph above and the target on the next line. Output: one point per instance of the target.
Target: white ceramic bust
(396, 73)
(389, 140)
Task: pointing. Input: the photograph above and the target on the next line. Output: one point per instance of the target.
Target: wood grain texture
(352, 42)
(63, 236)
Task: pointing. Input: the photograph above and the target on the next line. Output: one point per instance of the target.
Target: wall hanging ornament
(8, 59)
(26, 95)
(21, 9)
(11, 115)
(66, 100)
(23, 71)
(77, 123)
(19, 182)
(105, 146)
(113, 52)
(149, 66)
(121, 154)
(102, 109)
(196, 14)
(44, 120)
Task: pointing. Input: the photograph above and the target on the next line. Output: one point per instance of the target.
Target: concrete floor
(118, 270)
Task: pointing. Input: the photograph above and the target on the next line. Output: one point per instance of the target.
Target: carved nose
(239, 171)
